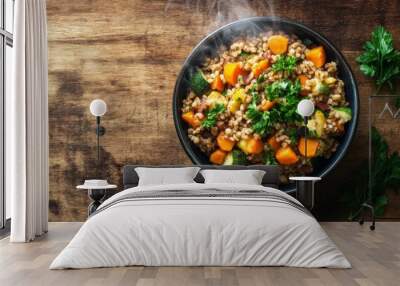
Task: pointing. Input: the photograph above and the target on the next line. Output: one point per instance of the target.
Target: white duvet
(204, 231)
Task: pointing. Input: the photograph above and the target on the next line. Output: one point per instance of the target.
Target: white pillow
(165, 176)
(248, 177)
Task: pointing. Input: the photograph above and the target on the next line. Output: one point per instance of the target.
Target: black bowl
(210, 45)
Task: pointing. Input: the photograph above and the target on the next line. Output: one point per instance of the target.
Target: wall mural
(264, 81)
(129, 53)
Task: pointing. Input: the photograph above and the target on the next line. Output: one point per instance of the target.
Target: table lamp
(305, 185)
(305, 108)
(98, 108)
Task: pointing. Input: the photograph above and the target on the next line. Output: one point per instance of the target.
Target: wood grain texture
(129, 54)
(375, 258)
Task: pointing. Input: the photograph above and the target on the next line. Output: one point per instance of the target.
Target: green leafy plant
(385, 174)
(211, 116)
(380, 60)
(285, 63)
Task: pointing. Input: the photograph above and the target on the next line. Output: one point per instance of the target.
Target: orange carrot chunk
(260, 67)
(218, 157)
(217, 84)
(286, 156)
(267, 105)
(231, 72)
(275, 145)
(191, 119)
(225, 143)
(303, 79)
(312, 147)
(255, 146)
(317, 56)
(278, 44)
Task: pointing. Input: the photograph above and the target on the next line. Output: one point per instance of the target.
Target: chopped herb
(260, 79)
(261, 122)
(244, 54)
(269, 158)
(282, 88)
(225, 92)
(293, 135)
(380, 60)
(285, 63)
(212, 115)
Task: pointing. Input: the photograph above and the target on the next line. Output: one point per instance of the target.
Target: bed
(198, 224)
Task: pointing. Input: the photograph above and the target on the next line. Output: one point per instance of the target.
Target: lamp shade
(98, 107)
(305, 108)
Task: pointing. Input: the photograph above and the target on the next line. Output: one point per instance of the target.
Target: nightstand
(97, 191)
(305, 190)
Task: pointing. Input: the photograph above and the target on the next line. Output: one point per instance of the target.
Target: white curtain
(28, 121)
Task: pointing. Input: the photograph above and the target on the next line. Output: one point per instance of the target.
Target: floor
(375, 257)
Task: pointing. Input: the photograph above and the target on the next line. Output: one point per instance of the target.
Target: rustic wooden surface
(375, 259)
(129, 54)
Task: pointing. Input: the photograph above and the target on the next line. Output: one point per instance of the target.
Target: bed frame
(271, 177)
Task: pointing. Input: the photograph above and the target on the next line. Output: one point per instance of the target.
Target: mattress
(201, 225)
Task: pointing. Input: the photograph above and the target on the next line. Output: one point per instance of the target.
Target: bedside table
(305, 190)
(97, 191)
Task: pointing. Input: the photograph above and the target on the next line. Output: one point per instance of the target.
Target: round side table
(305, 190)
(96, 194)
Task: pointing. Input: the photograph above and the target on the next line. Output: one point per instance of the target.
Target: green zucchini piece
(198, 83)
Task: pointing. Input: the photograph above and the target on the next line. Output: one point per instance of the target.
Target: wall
(129, 54)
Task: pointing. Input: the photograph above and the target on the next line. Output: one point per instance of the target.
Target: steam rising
(220, 12)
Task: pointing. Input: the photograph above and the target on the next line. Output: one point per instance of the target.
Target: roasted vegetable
(322, 88)
(191, 119)
(238, 97)
(215, 98)
(317, 123)
(303, 79)
(344, 113)
(273, 143)
(224, 143)
(278, 44)
(251, 145)
(198, 83)
(260, 67)
(267, 105)
(236, 157)
(286, 156)
(218, 157)
(231, 72)
(217, 84)
(312, 147)
(317, 56)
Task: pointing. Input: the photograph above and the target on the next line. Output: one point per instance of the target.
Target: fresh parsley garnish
(285, 63)
(261, 122)
(282, 88)
(269, 158)
(260, 79)
(244, 54)
(212, 115)
(380, 60)
(292, 133)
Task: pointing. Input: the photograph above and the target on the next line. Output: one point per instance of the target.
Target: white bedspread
(186, 231)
